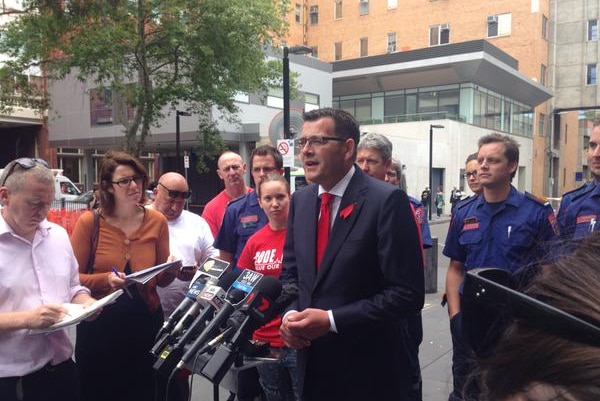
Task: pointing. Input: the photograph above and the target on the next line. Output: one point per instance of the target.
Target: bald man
(231, 169)
(190, 238)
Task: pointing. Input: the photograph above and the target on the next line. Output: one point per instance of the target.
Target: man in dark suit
(349, 322)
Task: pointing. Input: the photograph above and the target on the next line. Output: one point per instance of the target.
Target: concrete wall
(451, 146)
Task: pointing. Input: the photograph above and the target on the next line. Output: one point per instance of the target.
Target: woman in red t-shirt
(264, 253)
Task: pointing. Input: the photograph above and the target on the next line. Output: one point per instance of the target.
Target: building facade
(520, 28)
(574, 58)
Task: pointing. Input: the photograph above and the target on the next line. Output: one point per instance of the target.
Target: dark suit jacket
(371, 277)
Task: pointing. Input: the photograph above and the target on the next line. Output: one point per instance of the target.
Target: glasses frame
(467, 175)
(317, 140)
(25, 163)
(129, 180)
(173, 194)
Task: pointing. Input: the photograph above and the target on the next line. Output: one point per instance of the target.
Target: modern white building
(470, 88)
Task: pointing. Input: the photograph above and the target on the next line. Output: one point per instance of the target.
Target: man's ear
(513, 167)
(349, 148)
(3, 195)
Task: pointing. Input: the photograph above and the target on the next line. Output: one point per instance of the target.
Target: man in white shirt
(39, 273)
(190, 237)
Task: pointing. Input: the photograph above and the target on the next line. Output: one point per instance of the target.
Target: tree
(150, 53)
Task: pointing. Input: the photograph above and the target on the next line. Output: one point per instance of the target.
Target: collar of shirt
(514, 198)
(338, 191)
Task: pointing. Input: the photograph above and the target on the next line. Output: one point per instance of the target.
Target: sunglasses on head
(25, 163)
(176, 194)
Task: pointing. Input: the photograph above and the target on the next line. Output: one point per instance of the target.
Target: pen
(592, 224)
(114, 269)
(508, 231)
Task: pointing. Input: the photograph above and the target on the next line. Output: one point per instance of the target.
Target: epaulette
(463, 202)
(536, 199)
(582, 190)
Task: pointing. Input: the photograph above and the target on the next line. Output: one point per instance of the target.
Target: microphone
(240, 289)
(169, 354)
(259, 308)
(211, 267)
(168, 357)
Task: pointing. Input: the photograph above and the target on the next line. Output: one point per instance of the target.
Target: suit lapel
(352, 203)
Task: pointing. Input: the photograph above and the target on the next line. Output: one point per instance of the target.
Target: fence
(66, 213)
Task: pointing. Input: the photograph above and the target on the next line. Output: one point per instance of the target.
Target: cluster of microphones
(211, 328)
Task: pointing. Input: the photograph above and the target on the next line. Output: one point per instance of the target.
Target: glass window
(391, 42)
(543, 74)
(392, 4)
(394, 106)
(592, 30)
(314, 15)
(338, 9)
(544, 27)
(363, 109)
(591, 74)
(364, 47)
(101, 111)
(337, 51)
(439, 35)
(499, 25)
(298, 13)
(363, 7)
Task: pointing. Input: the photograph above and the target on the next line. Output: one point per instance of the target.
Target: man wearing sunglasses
(39, 273)
(190, 240)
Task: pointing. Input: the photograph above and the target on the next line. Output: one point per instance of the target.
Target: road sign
(286, 148)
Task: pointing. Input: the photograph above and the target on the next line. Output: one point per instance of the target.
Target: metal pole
(286, 102)
(430, 170)
(177, 147)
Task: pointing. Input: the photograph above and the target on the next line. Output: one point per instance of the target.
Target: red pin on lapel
(347, 211)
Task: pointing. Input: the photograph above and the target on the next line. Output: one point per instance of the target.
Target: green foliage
(154, 54)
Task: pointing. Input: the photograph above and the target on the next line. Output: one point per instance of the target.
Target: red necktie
(323, 225)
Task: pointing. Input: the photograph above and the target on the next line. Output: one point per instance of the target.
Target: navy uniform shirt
(579, 212)
(508, 234)
(242, 218)
(421, 221)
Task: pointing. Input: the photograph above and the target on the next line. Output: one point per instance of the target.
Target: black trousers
(60, 382)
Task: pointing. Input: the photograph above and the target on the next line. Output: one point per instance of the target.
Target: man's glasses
(315, 141)
(176, 194)
(470, 174)
(25, 163)
(125, 182)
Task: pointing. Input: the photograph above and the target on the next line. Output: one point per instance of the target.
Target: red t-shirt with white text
(264, 253)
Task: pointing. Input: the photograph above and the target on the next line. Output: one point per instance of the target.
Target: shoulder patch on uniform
(537, 199)
(463, 202)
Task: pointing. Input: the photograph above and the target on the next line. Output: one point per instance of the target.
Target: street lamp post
(431, 193)
(300, 49)
(177, 141)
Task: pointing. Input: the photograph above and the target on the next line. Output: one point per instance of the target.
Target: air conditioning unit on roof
(491, 19)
